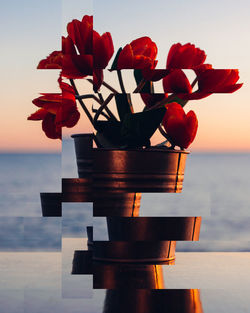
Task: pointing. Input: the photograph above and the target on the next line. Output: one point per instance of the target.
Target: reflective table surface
(200, 282)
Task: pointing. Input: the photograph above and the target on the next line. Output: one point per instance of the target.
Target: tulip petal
(181, 128)
(176, 82)
(49, 127)
(38, 115)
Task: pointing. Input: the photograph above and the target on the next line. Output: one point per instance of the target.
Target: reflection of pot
(139, 170)
(77, 189)
(117, 276)
(116, 204)
(153, 301)
(82, 262)
(153, 228)
(90, 237)
(150, 252)
(51, 203)
(83, 150)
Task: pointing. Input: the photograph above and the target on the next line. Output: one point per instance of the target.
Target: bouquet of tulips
(85, 54)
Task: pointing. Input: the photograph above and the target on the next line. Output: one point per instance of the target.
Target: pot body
(139, 170)
(153, 228)
(81, 189)
(116, 204)
(146, 252)
(82, 262)
(51, 203)
(83, 149)
(77, 189)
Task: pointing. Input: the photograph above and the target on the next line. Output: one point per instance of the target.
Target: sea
(36, 252)
(216, 187)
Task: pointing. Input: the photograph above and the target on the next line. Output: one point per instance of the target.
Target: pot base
(144, 252)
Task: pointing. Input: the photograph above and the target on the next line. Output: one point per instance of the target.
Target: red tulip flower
(84, 52)
(53, 61)
(139, 54)
(154, 74)
(103, 49)
(181, 128)
(57, 110)
(218, 81)
(75, 65)
(81, 34)
(176, 82)
(151, 99)
(185, 56)
(213, 81)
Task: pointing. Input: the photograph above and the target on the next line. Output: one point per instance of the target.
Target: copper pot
(83, 149)
(138, 170)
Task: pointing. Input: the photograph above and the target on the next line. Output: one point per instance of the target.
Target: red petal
(49, 127)
(176, 82)
(81, 34)
(151, 99)
(38, 115)
(154, 74)
(125, 60)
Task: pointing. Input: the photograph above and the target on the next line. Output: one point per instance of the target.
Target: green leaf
(123, 104)
(148, 87)
(138, 128)
(114, 64)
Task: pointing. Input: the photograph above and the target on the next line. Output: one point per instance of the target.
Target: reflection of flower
(185, 56)
(139, 54)
(57, 110)
(180, 127)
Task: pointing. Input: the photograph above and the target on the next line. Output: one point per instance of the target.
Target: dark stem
(107, 109)
(162, 131)
(140, 86)
(164, 134)
(119, 73)
(194, 82)
(100, 97)
(104, 84)
(102, 107)
(81, 102)
(100, 101)
(103, 114)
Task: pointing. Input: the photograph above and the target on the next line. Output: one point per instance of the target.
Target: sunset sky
(31, 29)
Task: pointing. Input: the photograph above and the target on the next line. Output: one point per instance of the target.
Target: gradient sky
(31, 29)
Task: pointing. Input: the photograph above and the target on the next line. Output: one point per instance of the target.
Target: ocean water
(216, 187)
